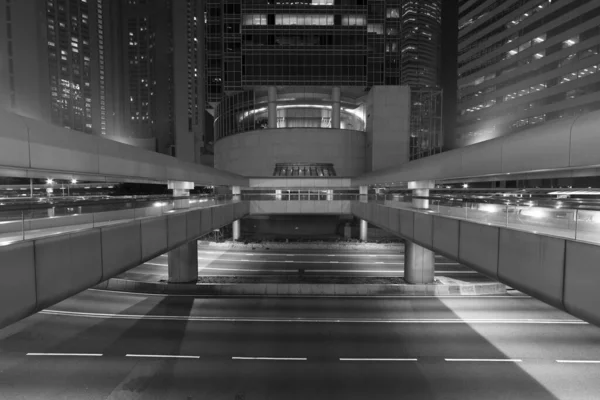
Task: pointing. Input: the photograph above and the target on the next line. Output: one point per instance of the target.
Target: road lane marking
(317, 320)
(334, 262)
(67, 354)
(578, 361)
(516, 360)
(378, 359)
(160, 356)
(271, 358)
(299, 261)
(289, 261)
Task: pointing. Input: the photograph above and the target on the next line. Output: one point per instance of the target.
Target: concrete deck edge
(303, 289)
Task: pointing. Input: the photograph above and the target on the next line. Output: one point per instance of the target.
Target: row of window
(464, 89)
(563, 79)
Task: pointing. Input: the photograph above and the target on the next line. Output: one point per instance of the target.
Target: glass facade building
(305, 48)
(525, 63)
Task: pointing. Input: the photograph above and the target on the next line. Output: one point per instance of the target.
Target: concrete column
(364, 225)
(236, 229)
(181, 189)
(272, 111)
(363, 191)
(335, 110)
(183, 263)
(236, 192)
(421, 188)
(419, 264)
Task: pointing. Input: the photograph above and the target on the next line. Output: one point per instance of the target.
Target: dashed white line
(289, 261)
(271, 358)
(334, 262)
(578, 361)
(161, 356)
(67, 354)
(516, 360)
(378, 359)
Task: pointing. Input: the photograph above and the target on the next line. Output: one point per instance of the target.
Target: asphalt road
(213, 261)
(106, 345)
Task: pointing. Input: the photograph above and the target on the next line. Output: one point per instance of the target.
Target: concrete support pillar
(421, 189)
(335, 110)
(236, 193)
(181, 189)
(236, 229)
(272, 111)
(364, 225)
(183, 263)
(363, 191)
(419, 264)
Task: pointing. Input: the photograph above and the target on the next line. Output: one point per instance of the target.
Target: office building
(55, 63)
(131, 71)
(525, 63)
(320, 82)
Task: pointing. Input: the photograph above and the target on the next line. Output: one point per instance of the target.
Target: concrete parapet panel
(478, 247)
(121, 248)
(394, 220)
(445, 236)
(154, 237)
(17, 286)
(14, 141)
(177, 229)
(193, 224)
(205, 221)
(532, 263)
(407, 224)
(582, 274)
(372, 213)
(526, 152)
(67, 264)
(382, 216)
(423, 229)
(584, 136)
(58, 149)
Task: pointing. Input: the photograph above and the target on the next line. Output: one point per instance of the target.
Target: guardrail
(557, 220)
(23, 222)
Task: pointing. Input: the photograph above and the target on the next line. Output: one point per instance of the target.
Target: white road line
(516, 360)
(301, 262)
(160, 356)
(67, 354)
(390, 297)
(379, 262)
(271, 358)
(378, 359)
(289, 261)
(578, 361)
(334, 262)
(317, 320)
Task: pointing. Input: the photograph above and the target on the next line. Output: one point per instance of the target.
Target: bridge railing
(55, 216)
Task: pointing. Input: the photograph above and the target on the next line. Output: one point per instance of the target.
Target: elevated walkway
(30, 148)
(561, 271)
(37, 273)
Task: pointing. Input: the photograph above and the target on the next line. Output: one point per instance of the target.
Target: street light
(465, 185)
(73, 181)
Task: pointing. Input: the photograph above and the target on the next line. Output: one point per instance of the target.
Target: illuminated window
(303, 19)
(393, 13)
(375, 28)
(255, 19)
(354, 20)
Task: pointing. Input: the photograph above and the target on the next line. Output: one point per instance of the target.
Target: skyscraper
(524, 64)
(131, 71)
(281, 72)
(53, 63)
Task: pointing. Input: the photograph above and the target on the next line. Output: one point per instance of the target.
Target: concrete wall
(255, 153)
(41, 272)
(564, 144)
(558, 271)
(37, 149)
(388, 127)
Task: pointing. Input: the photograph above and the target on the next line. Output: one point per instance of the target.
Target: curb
(303, 289)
